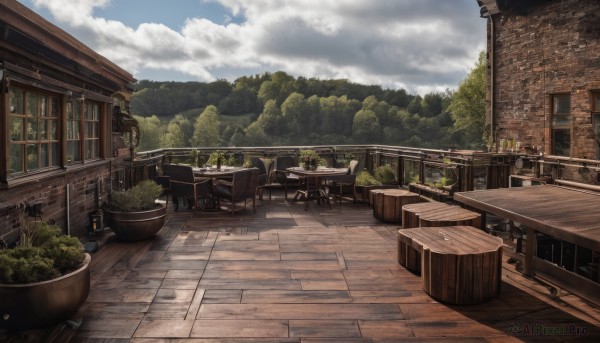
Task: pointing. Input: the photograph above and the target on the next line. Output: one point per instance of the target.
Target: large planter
(137, 226)
(45, 303)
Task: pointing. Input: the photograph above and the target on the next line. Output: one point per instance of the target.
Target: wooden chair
(241, 187)
(185, 185)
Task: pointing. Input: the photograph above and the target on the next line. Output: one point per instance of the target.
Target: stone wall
(549, 49)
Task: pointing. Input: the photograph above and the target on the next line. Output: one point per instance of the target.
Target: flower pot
(137, 226)
(45, 303)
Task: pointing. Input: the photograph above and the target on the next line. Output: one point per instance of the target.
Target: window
(83, 127)
(561, 125)
(37, 126)
(33, 131)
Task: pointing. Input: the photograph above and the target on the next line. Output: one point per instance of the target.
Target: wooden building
(544, 74)
(57, 98)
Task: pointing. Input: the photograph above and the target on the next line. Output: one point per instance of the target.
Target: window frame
(35, 139)
(565, 125)
(49, 118)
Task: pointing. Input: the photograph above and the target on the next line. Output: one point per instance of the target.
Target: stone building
(57, 99)
(544, 74)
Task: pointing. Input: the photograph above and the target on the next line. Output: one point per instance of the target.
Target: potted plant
(134, 214)
(309, 159)
(44, 278)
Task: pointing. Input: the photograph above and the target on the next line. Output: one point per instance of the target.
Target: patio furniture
(341, 185)
(388, 203)
(264, 167)
(311, 179)
(458, 264)
(436, 213)
(551, 217)
(282, 176)
(241, 188)
(185, 185)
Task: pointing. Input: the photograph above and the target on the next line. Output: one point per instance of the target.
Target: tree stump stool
(387, 203)
(438, 214)
(458, 264)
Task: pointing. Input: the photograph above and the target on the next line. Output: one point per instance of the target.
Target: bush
(385, 175)
(46, 256)
(364, 178)
(140, 197)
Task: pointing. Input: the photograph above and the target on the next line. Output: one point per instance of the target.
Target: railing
(472, 169)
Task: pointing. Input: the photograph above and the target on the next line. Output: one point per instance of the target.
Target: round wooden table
(458, 264)
(438, 214)
(314, 189)
(388, 203)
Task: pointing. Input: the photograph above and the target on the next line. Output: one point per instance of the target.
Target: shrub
(364, 178)
(385, 175)
(140, 197)
(48, 255)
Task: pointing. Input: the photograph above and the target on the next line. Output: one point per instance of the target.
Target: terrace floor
(289, 275)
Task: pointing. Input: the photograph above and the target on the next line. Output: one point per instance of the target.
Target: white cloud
(422, 45)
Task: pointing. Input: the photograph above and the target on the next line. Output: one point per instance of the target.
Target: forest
(275, 109)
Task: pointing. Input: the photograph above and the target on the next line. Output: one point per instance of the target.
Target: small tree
(468, 103)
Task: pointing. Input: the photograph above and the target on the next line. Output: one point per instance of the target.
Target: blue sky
(418, 45)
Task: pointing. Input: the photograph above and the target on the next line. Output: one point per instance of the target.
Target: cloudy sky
(418, 45)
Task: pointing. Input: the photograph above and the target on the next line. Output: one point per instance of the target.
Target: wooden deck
(289, 275)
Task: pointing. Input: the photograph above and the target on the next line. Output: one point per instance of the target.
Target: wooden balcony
(289, 275)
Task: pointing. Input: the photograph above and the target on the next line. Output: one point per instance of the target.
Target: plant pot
(45, 303)
(137, 226)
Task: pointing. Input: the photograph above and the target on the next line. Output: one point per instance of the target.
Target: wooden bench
(387, 203)
(438, 214)
(458, 264)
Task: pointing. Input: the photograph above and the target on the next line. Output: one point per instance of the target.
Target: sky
(421, 46)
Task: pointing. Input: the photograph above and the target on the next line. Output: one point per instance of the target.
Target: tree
(150, 131)
(270, 120)
(365, 127)
(206, 129)
(294, 111)
(174, 137)
(468, 103)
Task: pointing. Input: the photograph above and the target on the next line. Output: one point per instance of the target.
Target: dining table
(212, 172)
(313, 189)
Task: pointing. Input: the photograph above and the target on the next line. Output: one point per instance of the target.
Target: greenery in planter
(364, 178)
(140, 197)
(41, 254)
(385, 175)
(226, 159)
(310, 158)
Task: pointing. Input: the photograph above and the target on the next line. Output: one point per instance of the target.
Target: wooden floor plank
(289, 275)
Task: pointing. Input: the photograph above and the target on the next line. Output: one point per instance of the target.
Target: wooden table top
(457, 240)
(564, 213)
(437, 211)
(214, 172)
(320, 171)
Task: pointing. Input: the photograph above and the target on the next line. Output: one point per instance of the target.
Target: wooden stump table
(458, 264)
(387, 203)
(438, 214)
